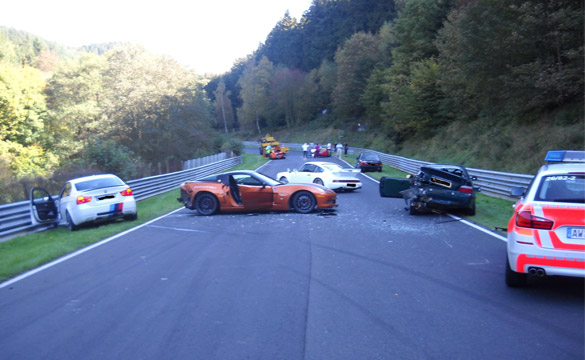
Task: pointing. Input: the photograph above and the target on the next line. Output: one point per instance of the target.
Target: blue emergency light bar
(565, 156)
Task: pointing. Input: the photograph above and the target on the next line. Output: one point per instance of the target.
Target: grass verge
(27, 252)
(30, 251)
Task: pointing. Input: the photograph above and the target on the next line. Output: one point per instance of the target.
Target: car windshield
(370, 157)
(455, 170)
(268, 180)
(98, 183)
(562, 188)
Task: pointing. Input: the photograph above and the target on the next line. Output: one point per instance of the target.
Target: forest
(485, 83)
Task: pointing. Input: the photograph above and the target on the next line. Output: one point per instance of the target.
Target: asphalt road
(366, 282)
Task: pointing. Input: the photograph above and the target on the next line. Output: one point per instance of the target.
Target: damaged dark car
(442, 188)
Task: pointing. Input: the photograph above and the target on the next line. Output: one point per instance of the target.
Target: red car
(323, 152)
(246, 190)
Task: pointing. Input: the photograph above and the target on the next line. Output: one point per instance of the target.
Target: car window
(562, 188)
(318, 169)
(308, 168)
(98, 183)
(370, 157)
(66, 190)
(242, 179)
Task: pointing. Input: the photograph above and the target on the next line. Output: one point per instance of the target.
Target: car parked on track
(82, 200)
(246, 190)
(546, 234)
(322, 152)
(368, 161)
(323, 173)
(435, 187)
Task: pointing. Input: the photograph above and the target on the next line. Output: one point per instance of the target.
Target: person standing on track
(305, 147)
(339, 148)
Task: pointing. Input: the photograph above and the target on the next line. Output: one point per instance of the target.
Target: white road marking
(81, 251)
(468, 223)
(176, 228)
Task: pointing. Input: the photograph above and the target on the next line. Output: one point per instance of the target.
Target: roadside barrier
(15, 218)
(492, 183)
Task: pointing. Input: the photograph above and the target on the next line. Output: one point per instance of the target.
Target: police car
(546, 234)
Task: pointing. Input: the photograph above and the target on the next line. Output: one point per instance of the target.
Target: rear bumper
(522, 257)
(84, 214)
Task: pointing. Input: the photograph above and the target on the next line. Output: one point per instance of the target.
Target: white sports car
(327, 174)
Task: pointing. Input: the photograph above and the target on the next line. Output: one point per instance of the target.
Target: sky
(207, 36)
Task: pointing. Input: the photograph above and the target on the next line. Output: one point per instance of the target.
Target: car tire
(283, 180)
(70, 224)
(303, 202)
(471, 210)
(318, 181)
(514, 279)
(131, 217)
(206, 204)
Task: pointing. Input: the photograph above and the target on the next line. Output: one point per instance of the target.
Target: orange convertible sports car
(247, 190)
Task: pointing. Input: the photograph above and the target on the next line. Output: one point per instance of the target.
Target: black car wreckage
(439, 188)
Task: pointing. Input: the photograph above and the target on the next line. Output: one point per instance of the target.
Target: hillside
(486, 84)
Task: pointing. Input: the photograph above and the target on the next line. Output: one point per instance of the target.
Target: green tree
(22, 104)
(286, 86)
(518, 56)
(355, 62)
(255, 85)
(75, 96)
(154, 106)
(223, 105)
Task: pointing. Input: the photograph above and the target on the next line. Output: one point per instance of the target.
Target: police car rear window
(562, 188)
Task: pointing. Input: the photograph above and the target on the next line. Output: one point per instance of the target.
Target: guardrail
(15, 218)
(492, 183)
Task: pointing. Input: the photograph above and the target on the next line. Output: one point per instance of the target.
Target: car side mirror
(518, 192)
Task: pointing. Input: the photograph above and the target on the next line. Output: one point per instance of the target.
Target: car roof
(561, 168)
(91, 177)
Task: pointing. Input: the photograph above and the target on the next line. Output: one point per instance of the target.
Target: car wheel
(318, 181)
(303, 202)
(283, 180)
(206, 204)
(131, 217)
(515, 279)
(70, 224)
(471, 210)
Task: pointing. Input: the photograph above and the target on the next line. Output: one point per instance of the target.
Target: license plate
(576, 233)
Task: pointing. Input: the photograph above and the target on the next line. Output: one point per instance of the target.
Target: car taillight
(83, 199)
(127, 192)
(466, 189)
(527, 220)
(363, 163)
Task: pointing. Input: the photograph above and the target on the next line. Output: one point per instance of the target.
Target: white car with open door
(82, 200)
(323, 173)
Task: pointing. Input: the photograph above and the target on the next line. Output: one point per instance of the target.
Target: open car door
(43, 208)
(391, 187)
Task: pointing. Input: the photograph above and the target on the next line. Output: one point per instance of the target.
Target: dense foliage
(488, 82)
(472, 77)
(112, 108)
